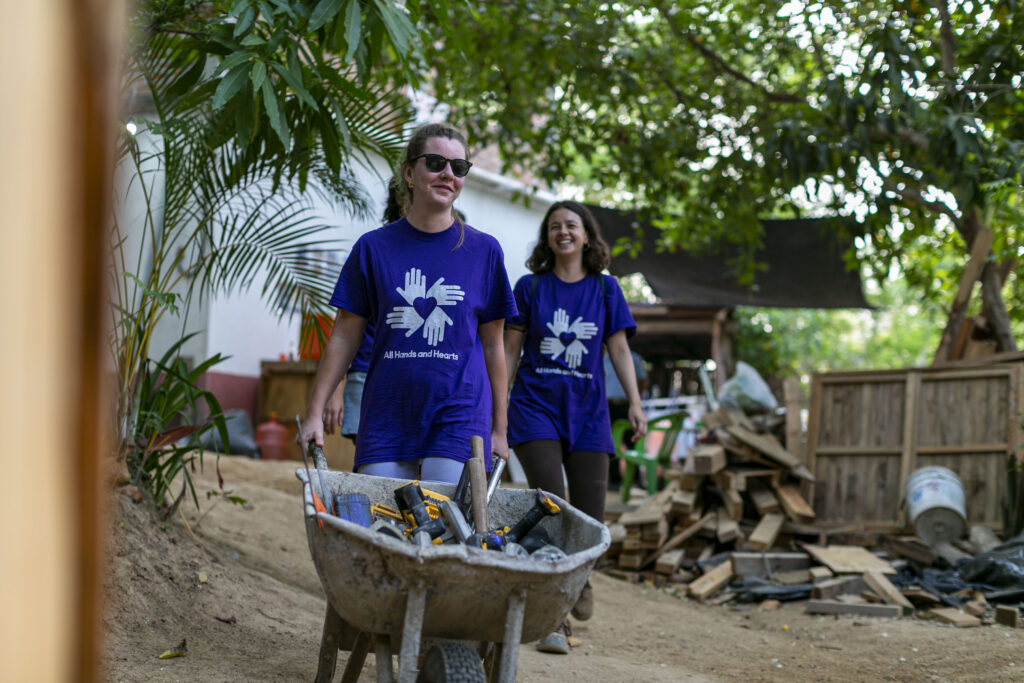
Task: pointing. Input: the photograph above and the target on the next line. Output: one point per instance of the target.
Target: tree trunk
(994, 310)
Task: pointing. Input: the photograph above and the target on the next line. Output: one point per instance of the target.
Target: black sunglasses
(435, 164)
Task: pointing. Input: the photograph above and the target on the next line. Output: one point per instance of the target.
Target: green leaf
(277, 120)
(295, 84)
(324, 12)
(259, 73)
(229, 85)
(245, 21)
(353, 28)
(400, 30)
(253, 40)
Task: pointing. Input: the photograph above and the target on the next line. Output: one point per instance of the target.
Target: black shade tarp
(803, 260)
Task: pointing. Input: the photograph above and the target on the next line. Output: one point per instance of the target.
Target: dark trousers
(586, 472)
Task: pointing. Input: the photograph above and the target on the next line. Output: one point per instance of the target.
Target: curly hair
(596, 255)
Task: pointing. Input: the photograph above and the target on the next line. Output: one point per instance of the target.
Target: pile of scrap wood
(732, 526)
(738, 488)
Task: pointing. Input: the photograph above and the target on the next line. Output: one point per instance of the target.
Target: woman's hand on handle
(312, 429)
(499, 445)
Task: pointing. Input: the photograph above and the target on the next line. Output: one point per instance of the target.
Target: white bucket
(935, 504)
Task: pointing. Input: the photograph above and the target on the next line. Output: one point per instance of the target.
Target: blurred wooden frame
(59, 63)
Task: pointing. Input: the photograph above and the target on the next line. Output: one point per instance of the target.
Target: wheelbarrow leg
(412, 629)
(354, 665)
(507, 656)
(382, 653)
(329, 643)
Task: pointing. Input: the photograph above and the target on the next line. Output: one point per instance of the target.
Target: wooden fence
(868, 431)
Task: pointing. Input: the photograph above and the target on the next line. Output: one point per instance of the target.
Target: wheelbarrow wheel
(451, 663)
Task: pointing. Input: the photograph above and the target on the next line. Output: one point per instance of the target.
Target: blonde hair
(414, 148)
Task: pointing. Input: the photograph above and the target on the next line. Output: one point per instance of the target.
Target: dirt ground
(244, 595)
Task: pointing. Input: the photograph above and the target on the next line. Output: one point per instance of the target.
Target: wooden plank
(836, 607)
(884, 588)
(793, 504)
(711, 582)
(813, 430)
(1007, 615)
(738, 418)
(681, 536)
(840, 585)
(727, 529)
(732, 501)
(908, 457)
(821, 573)
(848, 559)
(669, 562)
(684, 502)
(631, 560)
(951, 615)
(980, 248)
(794, 430)
(761, 564)
(910, 548)
(764, 499)
(766, 531)
(707, 458)
(766, 446)
(792, 578)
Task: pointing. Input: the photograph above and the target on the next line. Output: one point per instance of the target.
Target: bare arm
(346, 335)
(622, 361)
(514, 338)
(494, 360)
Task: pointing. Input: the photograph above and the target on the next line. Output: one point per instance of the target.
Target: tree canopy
(905, 117)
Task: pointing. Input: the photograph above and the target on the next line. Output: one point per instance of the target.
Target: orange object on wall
(310, 346)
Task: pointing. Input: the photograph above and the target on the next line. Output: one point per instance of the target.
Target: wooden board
(710, 582)
(707, 458)
(863, 610)
(727, 529)
(682, 536)
(760, 564)
(1007, 615)
(793, 504)
(848, 559)
(768, 447)
(885, 590)
(951, 615)
(763, 498)
(766, 531)
(669, 562)
(840, 585)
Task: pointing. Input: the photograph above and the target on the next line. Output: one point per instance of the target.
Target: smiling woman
(558, 414)
(437, 294)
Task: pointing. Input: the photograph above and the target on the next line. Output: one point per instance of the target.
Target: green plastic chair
(636, 456)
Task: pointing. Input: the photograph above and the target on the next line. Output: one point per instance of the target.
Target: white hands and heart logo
(424, 309)
(567, 338)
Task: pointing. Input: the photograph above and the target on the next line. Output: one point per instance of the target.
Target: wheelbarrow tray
(367, 576)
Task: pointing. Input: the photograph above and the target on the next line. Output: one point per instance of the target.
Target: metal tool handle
(495, 480)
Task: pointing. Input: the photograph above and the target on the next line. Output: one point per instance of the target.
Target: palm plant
(227, 196)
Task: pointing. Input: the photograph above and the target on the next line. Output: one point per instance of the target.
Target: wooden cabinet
(285, 388)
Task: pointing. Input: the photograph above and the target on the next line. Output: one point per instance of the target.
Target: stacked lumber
(737, 489)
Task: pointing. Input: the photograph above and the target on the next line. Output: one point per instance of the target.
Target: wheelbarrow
(458, 604)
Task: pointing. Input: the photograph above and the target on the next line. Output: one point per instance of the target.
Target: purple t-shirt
(361, 363)
(559, 388)
(427, 390)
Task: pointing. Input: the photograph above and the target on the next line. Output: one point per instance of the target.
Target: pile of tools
(425, 517)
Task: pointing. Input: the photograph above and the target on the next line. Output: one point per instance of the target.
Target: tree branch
(946, 41)
(911, 195)
(712, 56)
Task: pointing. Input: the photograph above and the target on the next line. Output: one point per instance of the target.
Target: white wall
(241, 326)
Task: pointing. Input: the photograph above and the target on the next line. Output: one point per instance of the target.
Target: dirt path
(249, 604)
